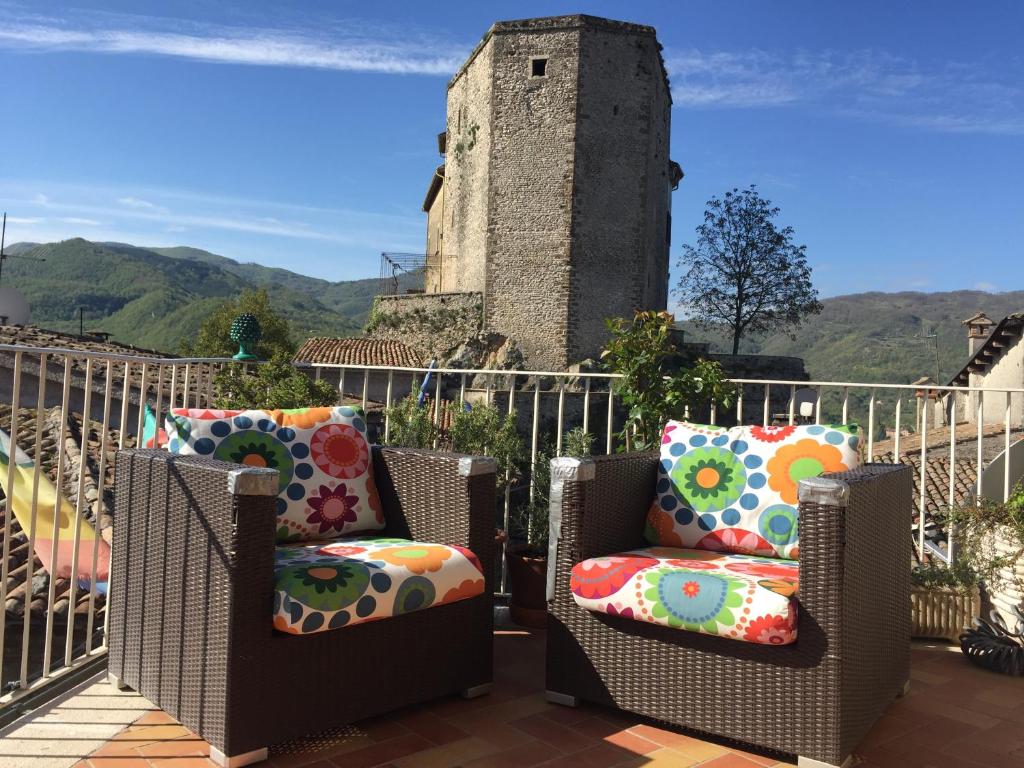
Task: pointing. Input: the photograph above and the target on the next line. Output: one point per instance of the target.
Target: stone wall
(532, 161)
(760, 367)
(557, 185)
(467, 174)
(431, 323)
(621, 186)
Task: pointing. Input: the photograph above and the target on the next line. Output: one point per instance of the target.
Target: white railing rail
(100, 395)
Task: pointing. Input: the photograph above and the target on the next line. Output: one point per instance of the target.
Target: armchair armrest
(441, 497)
(598, 507)
(192, 571)
(855, 559)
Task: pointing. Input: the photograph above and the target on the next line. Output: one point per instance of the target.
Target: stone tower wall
(467, 174)
(621, 186)
(532, 160)
(557, 188)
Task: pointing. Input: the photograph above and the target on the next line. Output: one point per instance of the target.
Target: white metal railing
(100, 395)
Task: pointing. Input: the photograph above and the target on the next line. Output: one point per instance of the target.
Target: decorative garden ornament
(246, 332)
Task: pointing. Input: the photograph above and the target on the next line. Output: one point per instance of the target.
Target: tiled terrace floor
(956, 715)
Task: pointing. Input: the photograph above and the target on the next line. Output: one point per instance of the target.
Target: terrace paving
(955, 716)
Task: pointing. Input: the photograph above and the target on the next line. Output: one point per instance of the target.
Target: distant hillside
(155, 297)
(882, 337)
(351, 298)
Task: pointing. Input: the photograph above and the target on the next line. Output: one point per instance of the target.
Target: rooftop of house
(436, 181)
(34, 336)
(1006, 332)
(357, 351)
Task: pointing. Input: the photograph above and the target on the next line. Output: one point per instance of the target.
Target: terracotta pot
(527, 578)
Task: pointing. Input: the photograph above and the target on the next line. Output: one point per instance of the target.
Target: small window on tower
(539, 67)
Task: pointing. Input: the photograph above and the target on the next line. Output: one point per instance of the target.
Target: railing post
(611, 414)
(561, 417)
(15, 403)
(90, 619)
(980, 419)
(586, 404)
(1006, 448)
(950, 529)
(387, 406)
(37, 468)
(83, 461)
(922, 488)
(896, 448)
(51, 593)
(534, 429)
(871, 425)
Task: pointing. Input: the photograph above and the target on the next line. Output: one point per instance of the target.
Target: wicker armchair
(815, 698)
(192, 589)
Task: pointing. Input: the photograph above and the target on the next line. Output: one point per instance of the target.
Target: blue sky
(302, 135)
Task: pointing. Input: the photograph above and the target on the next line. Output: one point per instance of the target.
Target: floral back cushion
(321, 454)
(735, 490)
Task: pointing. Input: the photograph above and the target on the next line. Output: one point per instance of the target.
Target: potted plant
(944, 600)
(652, 388)
(527, 552)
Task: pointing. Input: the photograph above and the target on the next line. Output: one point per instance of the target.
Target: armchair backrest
(735, 490)
(322, 456)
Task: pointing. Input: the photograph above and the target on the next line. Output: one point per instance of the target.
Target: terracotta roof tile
(358, 351)
(33, 336)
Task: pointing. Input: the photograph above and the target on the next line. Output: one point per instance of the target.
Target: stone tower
(555, 199)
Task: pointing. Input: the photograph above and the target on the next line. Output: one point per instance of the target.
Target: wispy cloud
(151, 214)
(352, 46)
(22, 220)
(985, 286)
(138, 204)
(951, 97)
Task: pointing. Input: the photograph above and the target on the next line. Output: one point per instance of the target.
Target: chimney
(978, 329)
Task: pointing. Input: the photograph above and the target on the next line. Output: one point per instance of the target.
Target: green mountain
(155, 297)
(881, 337)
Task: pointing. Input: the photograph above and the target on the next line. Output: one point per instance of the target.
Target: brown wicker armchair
(192, 583)
(815, 698)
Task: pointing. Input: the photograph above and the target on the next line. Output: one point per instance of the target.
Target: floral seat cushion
(321, 586)
(716, 593)
(325, 470)
(735, 490)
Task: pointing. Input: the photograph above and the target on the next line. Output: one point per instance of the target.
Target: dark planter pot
(527, 577)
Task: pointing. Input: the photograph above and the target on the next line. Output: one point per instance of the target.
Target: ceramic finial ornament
(246, 333)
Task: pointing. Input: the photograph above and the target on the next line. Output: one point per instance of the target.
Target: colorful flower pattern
(805, 458)
(325, 475)
(321, 587)
(714, 593)
(604, 576)
(735, 490)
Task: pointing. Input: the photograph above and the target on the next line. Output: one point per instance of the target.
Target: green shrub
(411, 425)
(640, 351)
(529, 524)
(272, 385)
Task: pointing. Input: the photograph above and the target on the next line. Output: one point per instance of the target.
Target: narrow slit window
(539, 67)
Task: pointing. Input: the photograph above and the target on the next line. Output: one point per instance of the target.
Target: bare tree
(744, 272)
